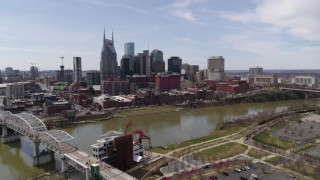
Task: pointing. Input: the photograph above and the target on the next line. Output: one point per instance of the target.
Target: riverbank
(268, 95)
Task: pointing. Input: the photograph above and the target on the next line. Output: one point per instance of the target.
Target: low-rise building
(306, 81)
(51, 107)
(167, 82)
(264, 80)
(115, 87)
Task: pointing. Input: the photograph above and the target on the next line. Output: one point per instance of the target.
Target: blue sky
(274, 34)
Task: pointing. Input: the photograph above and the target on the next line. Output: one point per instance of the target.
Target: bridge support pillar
(64, 165)
(87, 174)
(305, 97)
(40, 158)
(4, 131)
(9, 137)
(36, 147)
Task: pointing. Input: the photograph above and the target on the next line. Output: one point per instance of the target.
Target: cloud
(181, 9)
(299, 18)
(103, 3)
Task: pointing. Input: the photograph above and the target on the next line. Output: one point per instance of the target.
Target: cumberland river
(16, 158)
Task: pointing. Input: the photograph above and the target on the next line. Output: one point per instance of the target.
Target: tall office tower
(77, 71)
(144, 62)
(34, 71)
(216, 63)
(127, 66)
(9, 71)
(108, 61)
(254, 71)
(129, 48)
(194, 69)
(174, 64)
(186, 67)
(156, 61)
(93, 78)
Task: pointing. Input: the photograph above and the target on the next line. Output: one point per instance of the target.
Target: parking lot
(270, 175)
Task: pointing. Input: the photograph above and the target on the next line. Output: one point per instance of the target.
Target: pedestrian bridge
(57, 141)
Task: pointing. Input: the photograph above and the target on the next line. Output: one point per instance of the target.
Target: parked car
(247, 167)
(243, 178)
(225, 174)
(213, 177)
(237, 170)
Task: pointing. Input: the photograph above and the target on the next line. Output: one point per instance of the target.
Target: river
(168, 128)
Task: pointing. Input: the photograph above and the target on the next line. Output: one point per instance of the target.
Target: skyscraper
(215, 69)
(127, 66)
(174, 64)
(156, 61)
(144, 62)
(108, 62)
(216, 63)
(93, 78)
(129, 48)
(254, 71)
(34, 72)
(77, 71)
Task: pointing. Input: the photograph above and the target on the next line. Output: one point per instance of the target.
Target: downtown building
(174, 64)
(215, 69)
(109, 71)
(77, 70)
(156, 61)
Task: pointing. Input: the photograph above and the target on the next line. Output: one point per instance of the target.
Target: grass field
(257, 153)
(266, 137)
(273, 159)
(146, 110)
(221, 152)
(307, 147)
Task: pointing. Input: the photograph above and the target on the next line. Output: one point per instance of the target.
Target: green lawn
(279, 126)
(146, 110)
(273, 159)
(266, 137)
(307, 147)
(221, 152)
(214, 135)
(257, 153)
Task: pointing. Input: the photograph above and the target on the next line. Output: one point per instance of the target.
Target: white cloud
(300, 18)
(181, 9)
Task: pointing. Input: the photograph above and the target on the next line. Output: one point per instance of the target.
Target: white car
(254, 175)
(247, 167)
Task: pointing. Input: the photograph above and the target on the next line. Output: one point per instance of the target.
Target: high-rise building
(65, 75)
(144, 63)
(194, 69)
(157, 62)
(186, 67)
(77, 71)
(9, 71)
(34, 71)
(174, 64)
(254, 71)
(108, 61)
(93, 78)
(216, 63)
(129, 48)
(127, 66)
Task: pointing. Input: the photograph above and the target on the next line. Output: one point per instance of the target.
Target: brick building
(167, 82)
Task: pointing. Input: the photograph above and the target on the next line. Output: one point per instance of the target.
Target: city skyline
(271, 34)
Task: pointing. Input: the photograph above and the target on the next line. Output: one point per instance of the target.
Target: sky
(273, 34)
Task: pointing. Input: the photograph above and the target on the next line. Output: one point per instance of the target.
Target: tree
(311, 128)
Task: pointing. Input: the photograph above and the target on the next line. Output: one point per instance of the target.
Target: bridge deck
(105, 169)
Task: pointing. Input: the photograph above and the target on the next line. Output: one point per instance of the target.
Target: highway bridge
(301, 89)
(56, 141)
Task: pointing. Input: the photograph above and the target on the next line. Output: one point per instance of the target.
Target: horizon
(267, 33)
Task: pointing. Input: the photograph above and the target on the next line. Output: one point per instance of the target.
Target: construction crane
(142, 136)
(61, 59)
